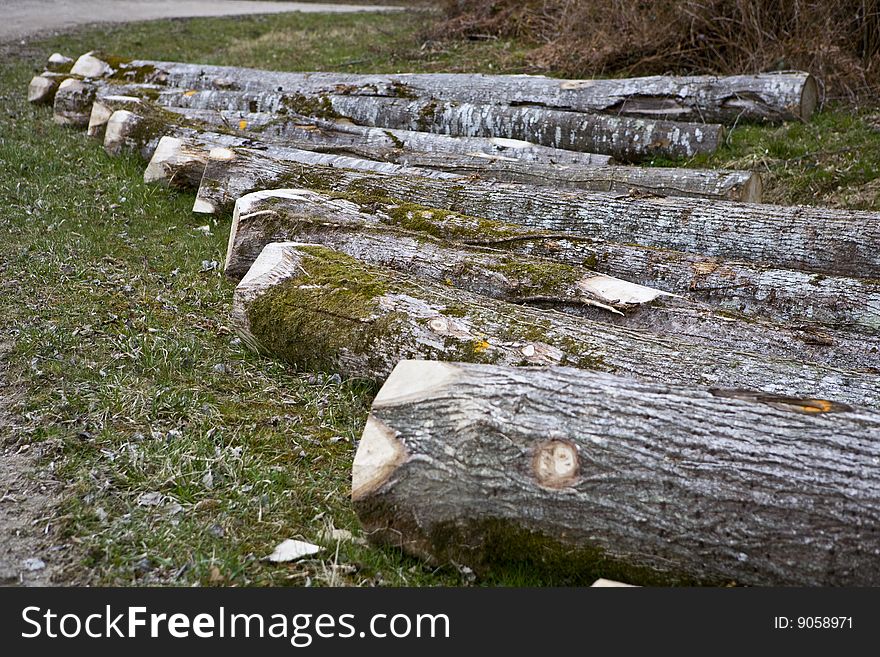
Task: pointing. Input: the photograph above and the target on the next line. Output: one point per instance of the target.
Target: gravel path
(28, 17)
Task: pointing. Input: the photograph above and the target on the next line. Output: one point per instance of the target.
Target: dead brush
(838, 42)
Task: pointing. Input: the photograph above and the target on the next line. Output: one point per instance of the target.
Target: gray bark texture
(802, 301)
(763, 97)
(820, 240)
(781, 295)
(714, 184)
(309, 217)
(624, 138)
(500, 159)
(322, 310)
(592, 474)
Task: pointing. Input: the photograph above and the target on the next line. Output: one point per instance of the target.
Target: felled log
(296, 215)
(102, 110)
(723, 184)
(595, 474)
(820, 240)
(623, 138)
(58, 63)
(322, 310)
(141, 128)
(257, 113)
(180, 165)
(73, 102)
(800, 299)
(397, 146)
(705, 98)
(42, 88)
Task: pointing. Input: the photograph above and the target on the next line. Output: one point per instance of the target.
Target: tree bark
(715, 184)
(309, 217)
(781, 295)
(142, 128)
(593, 474)
(322, 310)
(385, 144)
(820, 240)
(624, 138)
(730, 99)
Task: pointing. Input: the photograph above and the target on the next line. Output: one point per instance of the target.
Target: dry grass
(837, 41)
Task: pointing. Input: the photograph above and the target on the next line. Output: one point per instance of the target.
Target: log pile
(625, 371)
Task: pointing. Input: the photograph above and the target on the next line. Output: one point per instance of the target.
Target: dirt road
(28, 17)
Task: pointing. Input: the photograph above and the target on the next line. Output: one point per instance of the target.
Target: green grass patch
(185, 457)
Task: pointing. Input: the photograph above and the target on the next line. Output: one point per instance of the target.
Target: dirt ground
(28, 501)
(23, 18)
(31, 551)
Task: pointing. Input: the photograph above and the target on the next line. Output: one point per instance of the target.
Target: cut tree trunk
(142, 128)
(309, 217)
(820, 240)
(715, 184)
(594, 474)
(350, 139)
(709, 98)
(42, 88)
(624, 138)
(58, 63)
(73, 103)
(322, 310)
(782, 295)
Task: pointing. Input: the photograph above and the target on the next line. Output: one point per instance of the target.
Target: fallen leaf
(150, 499)
(291, 550)
(33, 563)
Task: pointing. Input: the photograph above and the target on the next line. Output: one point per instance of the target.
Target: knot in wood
(555, 464)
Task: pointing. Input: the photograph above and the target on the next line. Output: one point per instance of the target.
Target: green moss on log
(504, 549)
(319, 106)
(331, 308)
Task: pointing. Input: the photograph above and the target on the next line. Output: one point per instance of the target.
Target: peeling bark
(705, 98)
(624, 138)
(782, 295)
(717, 184)
(595, 474)
(322, 310)
(820, 240)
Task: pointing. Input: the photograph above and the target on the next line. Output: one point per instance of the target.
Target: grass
(185, 457)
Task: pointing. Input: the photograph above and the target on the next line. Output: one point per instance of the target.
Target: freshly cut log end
(73, 103)
(120, 124)
(176, 166)
(91, 65)
(646, 483)
(609, 583)
(41, 90)
(102, 110)
(58, 63)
